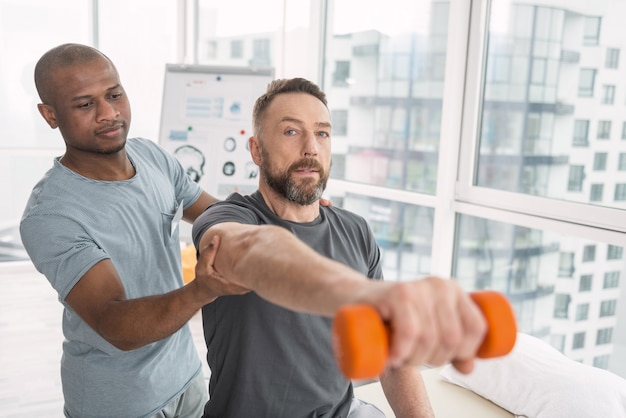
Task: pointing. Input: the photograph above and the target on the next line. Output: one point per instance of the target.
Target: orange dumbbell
(361, 339)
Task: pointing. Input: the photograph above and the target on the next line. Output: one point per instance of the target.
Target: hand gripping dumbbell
(361, 339)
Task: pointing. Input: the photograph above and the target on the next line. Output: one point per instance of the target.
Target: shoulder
(144, 147)
(236, 205)
(50, 194)
(347, 222)
(236, 208)
(344, 215)
(151, 156)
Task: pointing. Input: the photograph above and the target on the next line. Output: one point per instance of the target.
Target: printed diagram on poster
(206, 120)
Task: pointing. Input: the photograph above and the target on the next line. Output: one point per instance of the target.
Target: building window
(591, 35)
(623, 130)
(586, 82)
(599, 161)
(611, 280)
(620, 192)
(621, 163)
(614, 252)
(339, 119)
(341, 74)
(582, 312)
(578, 341)
(538, 71)
(561, 305)
(589, 253)
(601, 362)
(581, 133)
(210, 50)
(566, 264)
(608, 308)
(236, 49)
(604, 336)
(261, 53)
(595, 192)
(585, 283)
(612, 58)
(576, 177)
(604, 129)
(558, 341)
(608, 94)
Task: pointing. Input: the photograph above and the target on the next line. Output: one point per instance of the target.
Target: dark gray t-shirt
(271, 362)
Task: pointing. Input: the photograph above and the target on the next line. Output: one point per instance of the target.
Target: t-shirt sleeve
(61, 250)
(219, 212)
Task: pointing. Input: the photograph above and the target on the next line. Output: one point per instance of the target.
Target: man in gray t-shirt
(267, 361)
(270, 361)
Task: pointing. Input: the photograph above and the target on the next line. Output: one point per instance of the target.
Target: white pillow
(536, 381)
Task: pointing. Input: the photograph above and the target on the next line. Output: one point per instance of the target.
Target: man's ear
(48, 114)
(255, 150)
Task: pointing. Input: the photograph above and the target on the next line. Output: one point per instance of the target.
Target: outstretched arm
(431, 320)
(406, 393)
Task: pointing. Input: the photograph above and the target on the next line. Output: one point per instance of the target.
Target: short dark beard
(111, 151)
(283, 184)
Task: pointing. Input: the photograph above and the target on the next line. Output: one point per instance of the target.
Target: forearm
(132, 323)
(406, 392)
(280, 268)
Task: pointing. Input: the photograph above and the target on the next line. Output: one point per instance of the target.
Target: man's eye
(324, 134)
(290, 132)
(116, 95)
(84, 105)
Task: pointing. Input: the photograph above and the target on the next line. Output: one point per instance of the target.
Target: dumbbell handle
(361, 339)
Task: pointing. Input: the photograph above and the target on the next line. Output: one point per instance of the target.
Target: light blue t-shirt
(70, 223)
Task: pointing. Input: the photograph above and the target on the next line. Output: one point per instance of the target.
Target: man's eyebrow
(298, 121)
(88, 96)
(290, 119)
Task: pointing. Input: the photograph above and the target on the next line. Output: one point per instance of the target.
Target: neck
(289, 210)
(114, 167)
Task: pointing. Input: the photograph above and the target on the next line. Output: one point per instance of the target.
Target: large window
(387, 71)
(577, 157)
(487, 152)
(539, 133)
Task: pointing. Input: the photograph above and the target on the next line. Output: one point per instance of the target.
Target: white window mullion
(449, 144)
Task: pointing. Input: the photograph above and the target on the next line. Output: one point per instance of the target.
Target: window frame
(593, 222)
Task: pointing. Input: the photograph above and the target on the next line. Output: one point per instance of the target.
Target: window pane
(140, 63)
(591, 34)
(244, 33)
(28, 29)
(386, 71)
(403, 233)
(612, 58)
(559, 126)
(548, 278)
(49, 24)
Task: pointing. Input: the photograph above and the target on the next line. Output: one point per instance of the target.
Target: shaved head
(60, 57)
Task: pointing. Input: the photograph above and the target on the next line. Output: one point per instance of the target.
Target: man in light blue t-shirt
(102, 226)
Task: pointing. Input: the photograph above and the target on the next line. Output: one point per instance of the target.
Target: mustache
(110, 126)
(306, 163)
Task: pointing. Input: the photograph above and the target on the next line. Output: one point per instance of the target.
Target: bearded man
(268, 361)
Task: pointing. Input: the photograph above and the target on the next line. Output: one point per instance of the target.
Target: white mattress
(448, 400)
